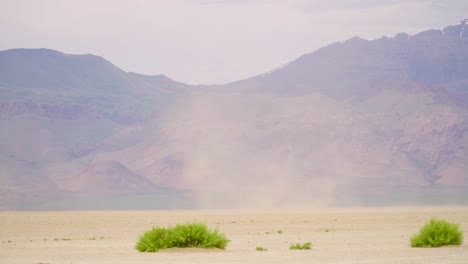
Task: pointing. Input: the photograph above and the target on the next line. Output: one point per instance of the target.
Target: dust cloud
(256, 150)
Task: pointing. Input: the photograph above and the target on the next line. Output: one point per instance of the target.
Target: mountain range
(358, 122)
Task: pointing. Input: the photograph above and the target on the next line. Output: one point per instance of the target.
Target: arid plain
(338, 235)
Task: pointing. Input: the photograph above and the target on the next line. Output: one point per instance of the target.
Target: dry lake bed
(338, 235)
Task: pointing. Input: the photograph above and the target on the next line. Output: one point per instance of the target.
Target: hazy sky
(210, 41)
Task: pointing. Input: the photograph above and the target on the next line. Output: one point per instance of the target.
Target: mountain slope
(108, 177)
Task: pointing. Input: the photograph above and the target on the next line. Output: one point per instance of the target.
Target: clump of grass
(436, 233)
(280, 231)
(182, 235)
(307, 245)
(261, 249)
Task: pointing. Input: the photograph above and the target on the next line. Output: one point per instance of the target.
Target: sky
(211, 41)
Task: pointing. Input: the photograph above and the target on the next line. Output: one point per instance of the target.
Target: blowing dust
(257, 151)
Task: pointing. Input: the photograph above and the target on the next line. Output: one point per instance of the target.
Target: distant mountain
(359, 122)
(55, 108)
(50, 69)
(88, 85)
(381, 121)
(433, 57)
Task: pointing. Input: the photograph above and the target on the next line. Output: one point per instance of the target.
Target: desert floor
(339, 235)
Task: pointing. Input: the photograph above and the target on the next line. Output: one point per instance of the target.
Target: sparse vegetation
(280, 231)
(261, 249)
(63, 239)
(436, 233)
(307, 245)
(182, 235)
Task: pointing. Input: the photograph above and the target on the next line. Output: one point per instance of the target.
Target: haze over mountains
(357, 122)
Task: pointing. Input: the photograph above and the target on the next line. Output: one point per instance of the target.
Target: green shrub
(182, 235)
(261, 249)
(436, 233)
(306, 245)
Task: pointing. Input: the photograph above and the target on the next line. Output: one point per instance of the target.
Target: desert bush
(306, 245)
(182, 235)
(261, 249)
(436, 233)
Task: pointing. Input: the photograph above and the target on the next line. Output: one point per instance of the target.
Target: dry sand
(349, 235)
